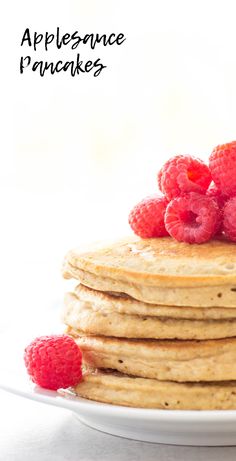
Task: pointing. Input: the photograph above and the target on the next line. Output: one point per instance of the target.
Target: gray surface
(33, 431)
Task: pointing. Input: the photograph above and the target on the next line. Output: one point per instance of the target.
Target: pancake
(108, 302)
(160, 271)
(180, 361)
(119, 389)
(80, 315)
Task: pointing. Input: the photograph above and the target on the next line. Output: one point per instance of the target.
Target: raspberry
(229, 219)
(192, 218)
(159, 176)
(54, 361)
(215, 193)
(146, 219)
(220, 199)
(182, 174)
(222, 164)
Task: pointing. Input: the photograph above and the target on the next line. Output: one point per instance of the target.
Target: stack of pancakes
(156, 322)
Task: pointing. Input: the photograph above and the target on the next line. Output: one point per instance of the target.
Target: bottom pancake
(119, 389)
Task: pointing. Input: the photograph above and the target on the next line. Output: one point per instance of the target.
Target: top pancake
(159, 262)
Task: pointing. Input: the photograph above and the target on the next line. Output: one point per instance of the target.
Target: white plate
(206, 428)
(209, 428)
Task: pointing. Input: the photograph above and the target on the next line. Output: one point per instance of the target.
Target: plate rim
(55, 398)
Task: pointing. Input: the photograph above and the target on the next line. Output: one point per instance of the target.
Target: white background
(77, 153)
